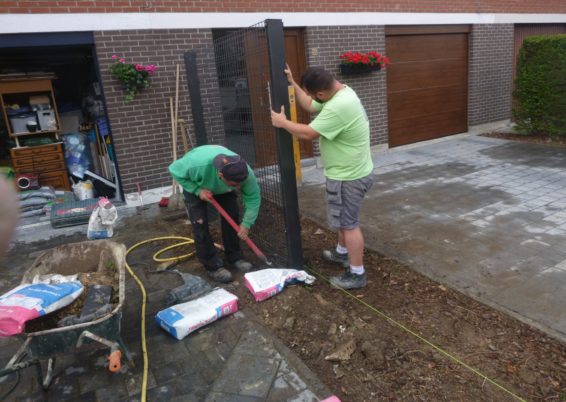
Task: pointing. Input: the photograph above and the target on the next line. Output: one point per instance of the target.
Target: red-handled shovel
(236, 227)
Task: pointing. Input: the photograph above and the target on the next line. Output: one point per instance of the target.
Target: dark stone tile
(254, 376)
(222, 397)
(113, 393)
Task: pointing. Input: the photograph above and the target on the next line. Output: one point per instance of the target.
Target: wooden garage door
(427, 82)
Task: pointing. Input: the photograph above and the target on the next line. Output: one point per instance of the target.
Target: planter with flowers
(360, 63)
(134, 77)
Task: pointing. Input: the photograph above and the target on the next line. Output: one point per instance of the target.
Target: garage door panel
(427, 127)
(407, 48)
(427, 85)
(427, 101)
(405, 76)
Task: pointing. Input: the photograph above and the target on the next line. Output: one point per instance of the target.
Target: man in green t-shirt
(213, 170)
(343, 128)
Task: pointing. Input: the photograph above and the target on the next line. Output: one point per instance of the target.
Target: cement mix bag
(102, 220)
(32, 300)
(182, 319)
(266, 283)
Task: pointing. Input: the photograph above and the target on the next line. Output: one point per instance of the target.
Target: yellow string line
(437, 348)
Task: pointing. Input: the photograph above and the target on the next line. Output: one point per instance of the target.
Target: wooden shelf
(35, 133)
(13, 89)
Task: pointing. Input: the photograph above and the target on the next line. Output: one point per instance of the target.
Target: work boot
(221, 275)
(337, 258)
(242, 266)
(349, 281)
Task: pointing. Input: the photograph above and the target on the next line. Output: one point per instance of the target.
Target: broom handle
(235, 226)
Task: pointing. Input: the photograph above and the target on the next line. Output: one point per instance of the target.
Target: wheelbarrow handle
(236, 227)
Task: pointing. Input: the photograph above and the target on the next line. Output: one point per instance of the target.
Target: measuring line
(437, 348)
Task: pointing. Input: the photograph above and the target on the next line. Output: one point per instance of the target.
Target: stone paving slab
(232, 359)
(486, 216)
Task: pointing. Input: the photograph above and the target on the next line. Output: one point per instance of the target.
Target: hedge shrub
(540, 87)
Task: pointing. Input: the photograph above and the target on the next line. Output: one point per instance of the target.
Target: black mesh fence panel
(244, 69)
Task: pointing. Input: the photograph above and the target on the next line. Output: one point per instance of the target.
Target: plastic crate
(72, 213)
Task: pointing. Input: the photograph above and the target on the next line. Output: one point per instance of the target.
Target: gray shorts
(344, 200)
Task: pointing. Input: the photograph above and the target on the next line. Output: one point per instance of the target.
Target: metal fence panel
(250, 65)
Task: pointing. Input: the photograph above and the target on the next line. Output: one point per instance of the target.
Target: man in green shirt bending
(343, 128)
(213, 170)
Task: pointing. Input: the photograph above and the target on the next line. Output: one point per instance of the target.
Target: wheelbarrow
(76, 258)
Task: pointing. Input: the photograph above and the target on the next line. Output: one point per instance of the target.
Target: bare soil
(376, 344)
(352, 343)
(536, 139)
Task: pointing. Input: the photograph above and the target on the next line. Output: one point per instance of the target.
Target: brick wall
(324, 46)
(490, 73)
(141, 129)
(126, 6)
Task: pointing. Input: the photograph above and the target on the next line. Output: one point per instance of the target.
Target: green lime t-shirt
(196, 171)
(344, 136)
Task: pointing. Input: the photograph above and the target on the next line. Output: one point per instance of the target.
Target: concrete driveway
(485, 216)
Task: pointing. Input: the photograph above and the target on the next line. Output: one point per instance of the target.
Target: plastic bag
(266, 283)
(83, 190)
(182, 319)
(32, 300)
(102, 220)
(77, 153)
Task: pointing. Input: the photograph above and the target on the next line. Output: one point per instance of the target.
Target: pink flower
(139, 67)
(151, 69)
(114, 57)
(122, 61)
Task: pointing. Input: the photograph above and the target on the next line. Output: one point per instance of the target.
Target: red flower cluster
(371, 58)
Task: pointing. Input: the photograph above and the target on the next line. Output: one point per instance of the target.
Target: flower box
(361, 63)
(350, 69)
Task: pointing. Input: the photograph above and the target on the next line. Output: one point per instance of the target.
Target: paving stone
(255, 375)
(36, 397)
(194, 385)
(134, 382)
(254, 343)
(64, 388)
(88, 397)
(113, 393)
(305, 396)
(222, 397)
(162, 393)
(282, 390)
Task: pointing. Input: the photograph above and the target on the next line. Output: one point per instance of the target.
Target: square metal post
(280, 97)
(194, 93)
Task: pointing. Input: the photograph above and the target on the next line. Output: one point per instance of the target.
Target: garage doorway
(69, 65)
(427, 82)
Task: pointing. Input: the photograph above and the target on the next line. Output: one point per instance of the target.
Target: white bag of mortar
(268, 282)
(182, 319)
(102, 220)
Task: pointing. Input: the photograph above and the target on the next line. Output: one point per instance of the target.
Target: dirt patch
(363, 356)
(553, 141)
(352, 344)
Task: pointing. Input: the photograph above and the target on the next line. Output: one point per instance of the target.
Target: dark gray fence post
(279, 97)
(194, 93)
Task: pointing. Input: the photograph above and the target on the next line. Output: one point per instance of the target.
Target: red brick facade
(490, 67)
(324, 44)
(162, 6)
(142, 129)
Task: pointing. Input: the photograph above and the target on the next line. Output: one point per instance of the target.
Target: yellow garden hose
(185, 242)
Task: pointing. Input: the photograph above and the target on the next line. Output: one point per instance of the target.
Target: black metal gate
(250, 64)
